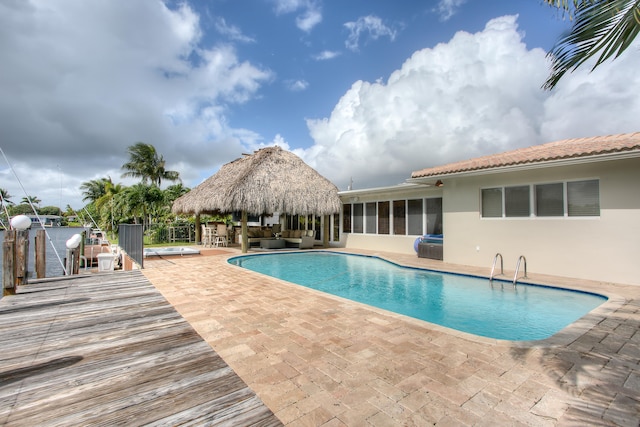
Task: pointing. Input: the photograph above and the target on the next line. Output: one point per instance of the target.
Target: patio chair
(207, 236)
(221, 237)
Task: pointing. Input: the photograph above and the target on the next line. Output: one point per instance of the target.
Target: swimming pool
(466, 303)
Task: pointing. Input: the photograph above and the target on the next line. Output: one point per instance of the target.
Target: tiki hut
(270, 180)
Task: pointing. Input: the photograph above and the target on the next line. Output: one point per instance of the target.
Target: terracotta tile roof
(559, 150)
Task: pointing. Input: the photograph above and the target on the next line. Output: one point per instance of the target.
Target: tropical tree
(4, 194)
(31, 200)
(105, 205)
(607, 27)
(94, 189)
(137, 201)
(145, 163)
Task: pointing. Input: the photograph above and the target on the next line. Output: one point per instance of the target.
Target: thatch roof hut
(270, 180)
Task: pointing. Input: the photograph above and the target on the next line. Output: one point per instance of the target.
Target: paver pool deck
(320, 360)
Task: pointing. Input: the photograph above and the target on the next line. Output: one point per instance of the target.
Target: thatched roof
(270, 180)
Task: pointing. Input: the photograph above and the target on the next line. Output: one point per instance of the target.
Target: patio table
(272, 243)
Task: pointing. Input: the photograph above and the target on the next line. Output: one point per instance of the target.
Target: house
(571, 208)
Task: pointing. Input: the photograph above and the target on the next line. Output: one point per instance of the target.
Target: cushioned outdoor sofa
(301, 239)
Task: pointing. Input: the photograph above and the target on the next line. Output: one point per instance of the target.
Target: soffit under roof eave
(391, 189)
(527, 166)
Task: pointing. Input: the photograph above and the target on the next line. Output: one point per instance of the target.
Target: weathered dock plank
(108, 349)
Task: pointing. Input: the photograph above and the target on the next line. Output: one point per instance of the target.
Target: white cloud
(447, 8)
(371, 26)
(477, 94)
(297, 85)
(87, 79)
(231, 31)
(310, 12)
(326, 55)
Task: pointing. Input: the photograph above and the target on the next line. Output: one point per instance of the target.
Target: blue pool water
(466, 303)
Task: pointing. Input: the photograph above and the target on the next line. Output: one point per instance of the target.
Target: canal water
(56, 238)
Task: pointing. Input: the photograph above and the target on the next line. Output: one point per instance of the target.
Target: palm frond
(606, 26)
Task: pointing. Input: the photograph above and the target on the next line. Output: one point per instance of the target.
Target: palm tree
(105, 204)
(5, 196)
(606, 26)
(94, 189)
(31, 200)
(145, 163)
(138, 201)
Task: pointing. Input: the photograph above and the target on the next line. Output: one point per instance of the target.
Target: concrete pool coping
(315, 359)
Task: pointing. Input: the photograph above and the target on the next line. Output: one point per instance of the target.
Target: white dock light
(20, 222)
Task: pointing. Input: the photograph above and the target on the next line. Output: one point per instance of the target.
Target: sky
(364, 91)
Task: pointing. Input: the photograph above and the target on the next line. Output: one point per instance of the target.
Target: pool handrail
(495, 259)
(515, 276)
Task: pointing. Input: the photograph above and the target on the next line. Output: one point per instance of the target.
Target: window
(346, 218)
(550, 199)
(357, 218)
(492, 203)
(383, 217)
(558, 199)
(434, 215)
(516, 201)
(583, 198)
(399, 225)
(415, 216)
(370, 211)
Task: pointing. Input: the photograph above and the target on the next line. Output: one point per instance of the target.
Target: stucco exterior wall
(605, 248)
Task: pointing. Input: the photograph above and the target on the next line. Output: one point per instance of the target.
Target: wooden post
(198, 230)
(22, 257)
(245, 238)
(325, 232)
(68, 262)
(75, 256)
(8, 263)
(81, 254)
(41, 254)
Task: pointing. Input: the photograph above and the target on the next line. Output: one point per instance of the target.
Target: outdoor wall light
(20, 222)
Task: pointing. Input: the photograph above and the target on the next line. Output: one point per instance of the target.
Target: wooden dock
(108, 349)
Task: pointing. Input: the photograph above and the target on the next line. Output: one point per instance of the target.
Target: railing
(495, 259)
(515, 276)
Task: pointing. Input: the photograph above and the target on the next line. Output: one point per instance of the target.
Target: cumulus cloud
(88, 80)
(447, 8)
(309, 12)
(477, 94)
(370, 26)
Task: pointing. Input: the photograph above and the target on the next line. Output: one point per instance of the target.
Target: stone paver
(319, 360)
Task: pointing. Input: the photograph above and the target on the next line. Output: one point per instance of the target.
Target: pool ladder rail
(515, 276)
(493, 268)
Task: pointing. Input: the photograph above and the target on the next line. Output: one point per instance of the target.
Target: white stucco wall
(605, 248)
